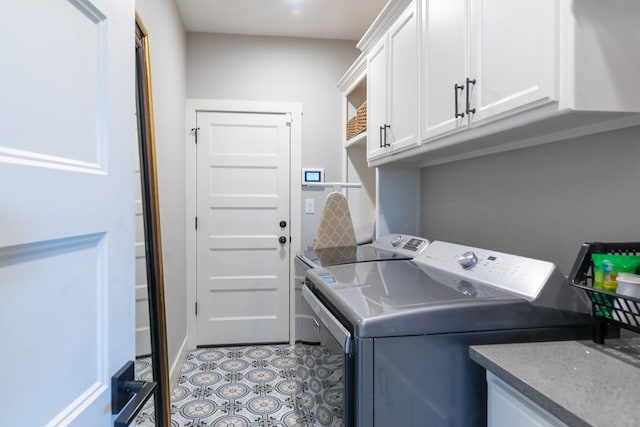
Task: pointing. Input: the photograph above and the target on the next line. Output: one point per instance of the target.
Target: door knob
(282, 240)
(283, 224)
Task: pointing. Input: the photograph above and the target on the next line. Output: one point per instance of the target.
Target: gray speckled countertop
(581, 383)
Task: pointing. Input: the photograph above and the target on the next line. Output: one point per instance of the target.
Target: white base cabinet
(507, 407)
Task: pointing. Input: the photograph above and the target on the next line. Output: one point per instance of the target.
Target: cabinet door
(445, 65)
(403, 81)
(507, 407)
(513, 56)
(376, 99)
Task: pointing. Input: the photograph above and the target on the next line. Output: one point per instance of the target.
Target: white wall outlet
(309, 206)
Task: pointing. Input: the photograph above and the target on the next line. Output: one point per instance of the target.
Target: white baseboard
(176, 366)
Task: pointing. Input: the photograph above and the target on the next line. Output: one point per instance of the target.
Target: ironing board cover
(335, 229)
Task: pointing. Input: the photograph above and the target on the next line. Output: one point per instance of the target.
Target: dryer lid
(347, 255)
(390, 246)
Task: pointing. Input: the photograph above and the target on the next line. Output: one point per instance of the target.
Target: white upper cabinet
(446, 67)
(403, 78)
(377, 100)
(392, 99)
(523, 73)
(485, 59)
(381, 73)
(476, 77)
(512, 57)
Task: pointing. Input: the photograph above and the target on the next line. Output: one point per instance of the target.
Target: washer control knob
(467, 260)
(396, 241)
(467, 288)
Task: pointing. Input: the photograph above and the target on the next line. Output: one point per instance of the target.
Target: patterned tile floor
(256, 386)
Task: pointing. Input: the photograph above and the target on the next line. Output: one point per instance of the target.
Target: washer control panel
(401, 244)
(514, 273)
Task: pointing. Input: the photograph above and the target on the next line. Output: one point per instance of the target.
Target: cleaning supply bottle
(608, 278)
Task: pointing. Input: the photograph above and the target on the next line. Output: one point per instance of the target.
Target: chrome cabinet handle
(470, 110)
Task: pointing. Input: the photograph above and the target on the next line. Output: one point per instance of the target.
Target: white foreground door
(242, 197)
(66, 211)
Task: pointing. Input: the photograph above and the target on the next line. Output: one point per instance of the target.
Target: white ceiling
(326, 19)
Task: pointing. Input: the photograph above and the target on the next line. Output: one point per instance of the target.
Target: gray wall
(285, 70)
(541, 202)
(167, 40)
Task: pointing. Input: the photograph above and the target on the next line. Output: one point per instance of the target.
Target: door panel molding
(67, 245)
(294, 115)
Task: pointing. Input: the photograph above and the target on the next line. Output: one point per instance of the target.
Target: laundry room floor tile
(256, 386)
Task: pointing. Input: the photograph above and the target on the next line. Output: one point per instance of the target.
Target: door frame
(294, 111)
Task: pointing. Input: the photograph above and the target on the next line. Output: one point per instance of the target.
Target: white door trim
(192, 106)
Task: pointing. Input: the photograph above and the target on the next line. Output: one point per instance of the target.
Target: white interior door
(242, 197)
(66, 211)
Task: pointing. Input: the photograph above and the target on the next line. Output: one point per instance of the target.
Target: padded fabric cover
(335, 229)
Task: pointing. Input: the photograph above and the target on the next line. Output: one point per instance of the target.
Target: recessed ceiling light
(296, 7)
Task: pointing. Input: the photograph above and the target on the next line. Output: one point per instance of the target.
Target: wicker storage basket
(352, 127)
(358, 123)
(361, 114)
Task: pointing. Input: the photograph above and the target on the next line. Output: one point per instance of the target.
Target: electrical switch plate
(309, 206)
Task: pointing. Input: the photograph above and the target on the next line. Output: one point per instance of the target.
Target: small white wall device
(312, 175)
